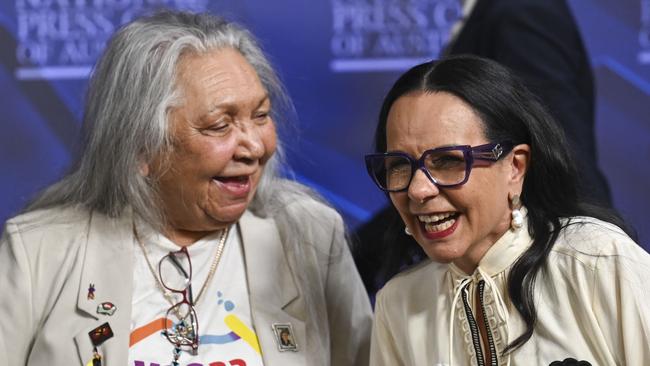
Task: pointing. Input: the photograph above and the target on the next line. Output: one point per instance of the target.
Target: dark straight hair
(509, 112)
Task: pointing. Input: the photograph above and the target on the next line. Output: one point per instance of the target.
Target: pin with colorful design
(97, 358)
(91, 291)
(98, 336)
(106, 308)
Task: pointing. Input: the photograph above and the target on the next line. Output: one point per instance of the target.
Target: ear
(519, 163)
(143, 168)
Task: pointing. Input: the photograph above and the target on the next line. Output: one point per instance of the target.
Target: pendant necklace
(170, 297)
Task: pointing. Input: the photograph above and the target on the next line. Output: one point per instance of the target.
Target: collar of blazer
(274, 296)
(107, 258)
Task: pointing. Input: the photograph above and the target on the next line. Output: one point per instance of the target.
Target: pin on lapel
(97, 358)
(284, 337)
(98, 336)
(91, 291)
(106, 308)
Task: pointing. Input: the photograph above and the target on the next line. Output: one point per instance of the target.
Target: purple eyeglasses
(447, 166)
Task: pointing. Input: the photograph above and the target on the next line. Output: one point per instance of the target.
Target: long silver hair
(130, 94)
(131, 91)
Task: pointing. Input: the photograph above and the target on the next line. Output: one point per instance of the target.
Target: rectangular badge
(100, 334)
(284, 337)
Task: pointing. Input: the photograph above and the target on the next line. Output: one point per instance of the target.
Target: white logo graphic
(372, 35)
(61, 39)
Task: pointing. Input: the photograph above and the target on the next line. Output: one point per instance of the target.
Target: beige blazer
(49, 258)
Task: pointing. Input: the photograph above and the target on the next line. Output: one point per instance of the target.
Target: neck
(185, 238)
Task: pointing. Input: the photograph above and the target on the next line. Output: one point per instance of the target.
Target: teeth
(435, 228)
(433, 218)
(232, 179)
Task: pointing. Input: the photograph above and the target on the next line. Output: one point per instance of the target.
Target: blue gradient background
(40, 119)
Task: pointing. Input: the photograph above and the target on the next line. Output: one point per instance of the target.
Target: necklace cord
(213, 266)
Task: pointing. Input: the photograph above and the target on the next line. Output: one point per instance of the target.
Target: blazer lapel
(108, 266)
(274, 296)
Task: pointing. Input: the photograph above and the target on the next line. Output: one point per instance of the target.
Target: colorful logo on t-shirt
(238, 330)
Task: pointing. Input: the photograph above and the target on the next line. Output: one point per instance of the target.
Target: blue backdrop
(337, 59)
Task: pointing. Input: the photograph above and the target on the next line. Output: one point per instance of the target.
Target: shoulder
(593, 242)
(303, 222)
(418, 285)
(55, 222)
(514, 8)
(530, 16)
(309, 209)
(285, 199)
(42, 241)
(301, 211)
(591, 236)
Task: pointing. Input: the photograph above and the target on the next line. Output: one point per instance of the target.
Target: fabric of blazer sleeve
(348, 307)
(16, 315)
(383, 349)
(621, 302)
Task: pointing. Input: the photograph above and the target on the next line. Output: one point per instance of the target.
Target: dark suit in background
(540, 40)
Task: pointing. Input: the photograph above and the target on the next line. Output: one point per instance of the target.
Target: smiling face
(222, 137)
(452, 224)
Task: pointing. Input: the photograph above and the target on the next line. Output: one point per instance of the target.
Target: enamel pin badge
(106, 308)
(91, 291)
(98, 336)
(284, 337)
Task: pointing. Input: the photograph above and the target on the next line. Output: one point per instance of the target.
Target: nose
(422, 188)
(250, 146)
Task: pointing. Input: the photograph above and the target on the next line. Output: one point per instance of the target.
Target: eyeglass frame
(188, 298)
(491, 152)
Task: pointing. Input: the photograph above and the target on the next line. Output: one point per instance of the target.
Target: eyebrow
(263, 100)
(229, 105)
(449, 145)
(430, 148)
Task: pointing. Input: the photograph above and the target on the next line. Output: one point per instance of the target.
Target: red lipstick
(439, 234)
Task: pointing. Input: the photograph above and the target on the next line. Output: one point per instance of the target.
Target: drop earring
(517, 220)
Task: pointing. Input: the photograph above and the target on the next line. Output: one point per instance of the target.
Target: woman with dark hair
(520, 271)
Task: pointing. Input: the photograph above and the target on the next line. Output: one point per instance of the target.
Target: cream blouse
(592, 300)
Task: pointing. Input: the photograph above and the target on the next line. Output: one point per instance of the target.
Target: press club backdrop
(337, 59)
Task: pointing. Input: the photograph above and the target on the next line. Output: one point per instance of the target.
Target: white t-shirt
(225, 326)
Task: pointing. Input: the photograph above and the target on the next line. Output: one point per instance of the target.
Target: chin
(228, 215)
(441, 258)
(441, 252)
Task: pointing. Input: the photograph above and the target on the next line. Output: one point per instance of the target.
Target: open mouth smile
(439, 225)
(237, 185)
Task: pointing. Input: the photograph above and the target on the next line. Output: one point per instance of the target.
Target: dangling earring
(517, 220)
(407, 231)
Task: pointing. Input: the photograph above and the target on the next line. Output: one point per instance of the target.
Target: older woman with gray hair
(174, 240)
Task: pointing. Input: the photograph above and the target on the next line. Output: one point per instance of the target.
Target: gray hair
(131, 91)
(126, 120)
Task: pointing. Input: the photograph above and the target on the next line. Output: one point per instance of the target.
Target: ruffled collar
(500, 256)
